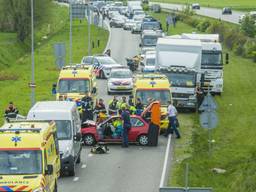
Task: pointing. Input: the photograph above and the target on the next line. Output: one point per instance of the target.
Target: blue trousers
(125, 136)
(172, 127)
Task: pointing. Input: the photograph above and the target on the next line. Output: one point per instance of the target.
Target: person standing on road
(123, 103)
(126, 126)
(172, 114)
(87, 108)
(139, 107)
(112, 106)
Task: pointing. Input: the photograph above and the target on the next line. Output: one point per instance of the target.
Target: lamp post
(32, 84)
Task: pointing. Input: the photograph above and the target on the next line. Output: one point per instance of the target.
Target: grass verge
(234, 147)
(241, 5)
(46, 72)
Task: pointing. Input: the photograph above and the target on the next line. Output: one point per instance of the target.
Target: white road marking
(84, 166)
(76, 179)
(167, 153)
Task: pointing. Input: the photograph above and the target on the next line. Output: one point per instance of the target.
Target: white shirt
(172, 112)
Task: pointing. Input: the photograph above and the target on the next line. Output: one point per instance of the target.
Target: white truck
(212, 61)
(149, 40)
(132, 6)
(180, 60)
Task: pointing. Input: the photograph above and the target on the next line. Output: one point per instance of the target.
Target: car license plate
(120, 87)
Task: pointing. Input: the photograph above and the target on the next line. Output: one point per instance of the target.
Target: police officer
(11, 111)
(87, 107)
(139, 106)
(122, 103)
(126, 126)
(113, 106)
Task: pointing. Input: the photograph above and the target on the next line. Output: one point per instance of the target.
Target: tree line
(15, 16)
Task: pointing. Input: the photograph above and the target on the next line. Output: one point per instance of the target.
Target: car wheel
(89, 140)
(143, 140)
(78, 159)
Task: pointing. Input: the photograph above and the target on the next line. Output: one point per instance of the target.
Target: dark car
(227, 11)
(195, 6)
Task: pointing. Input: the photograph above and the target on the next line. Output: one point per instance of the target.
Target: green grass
(234, 149)
(243, 5)
(46, 72)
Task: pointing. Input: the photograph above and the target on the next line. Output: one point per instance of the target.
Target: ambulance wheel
(143, 140)
(55, 187)
(89, 139)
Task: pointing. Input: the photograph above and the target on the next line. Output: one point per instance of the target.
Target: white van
(68, 123)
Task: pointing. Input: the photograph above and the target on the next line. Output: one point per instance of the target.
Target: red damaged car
(110, 132)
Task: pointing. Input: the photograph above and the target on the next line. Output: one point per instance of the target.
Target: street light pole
(32, 84)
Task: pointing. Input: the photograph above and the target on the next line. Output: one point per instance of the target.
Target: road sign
(78, 10)
(208, 119)
(60, 54)
(208, 103)
(182, 189)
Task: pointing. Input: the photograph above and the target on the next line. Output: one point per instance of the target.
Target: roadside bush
(248, 26)
(203, 25)
(217, 27)
(145, 7)
(250, 48)
(230, 37)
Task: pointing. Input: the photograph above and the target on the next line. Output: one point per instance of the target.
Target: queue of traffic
(48, 143)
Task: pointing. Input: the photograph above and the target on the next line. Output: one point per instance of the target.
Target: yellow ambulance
(29, 156)
(75, 82)
(156, 87)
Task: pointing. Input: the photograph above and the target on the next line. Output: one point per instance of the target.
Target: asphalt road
(122, 170)
(209, 12)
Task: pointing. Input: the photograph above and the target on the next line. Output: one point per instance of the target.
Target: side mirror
(94, 90)
(54, 89)
(49, 170)
(78, 137)
(227, 58)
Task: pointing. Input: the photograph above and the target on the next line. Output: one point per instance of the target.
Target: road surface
(209, 12)
(122, 170)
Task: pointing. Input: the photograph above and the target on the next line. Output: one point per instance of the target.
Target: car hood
(109, 66)
(120, 81)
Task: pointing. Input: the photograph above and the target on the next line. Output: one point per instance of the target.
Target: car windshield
(73, 86)
(151, 26)
(106, 60)
(161, 95)
(64, 130)
(121, 74)
(211, 58)
(150, 62)
(182, 80)
(20, 162)
(149, 40)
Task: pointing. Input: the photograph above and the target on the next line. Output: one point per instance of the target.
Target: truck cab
(156, 87)
(75, 82)
(149, 40)
(212, 61)
(29, 156)
(180, 60)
